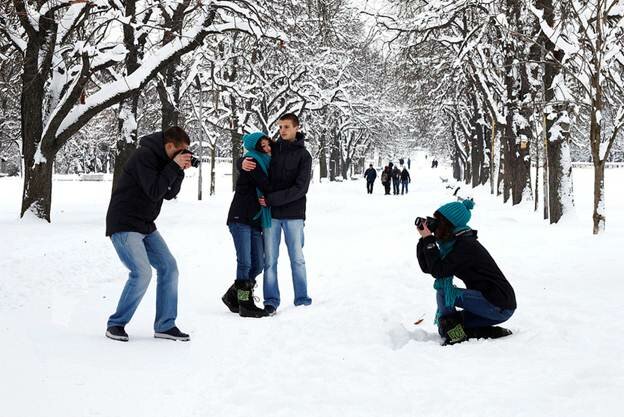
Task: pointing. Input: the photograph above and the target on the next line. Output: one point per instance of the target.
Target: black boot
(246, 305)
(487, 332)
(452, 328)
(230, 299)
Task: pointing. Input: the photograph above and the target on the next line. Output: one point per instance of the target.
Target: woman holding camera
(449, 247)
(246, 219)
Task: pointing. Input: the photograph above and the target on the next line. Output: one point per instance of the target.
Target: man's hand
(262, 202)
(183, 160)
(425, 231)
(248, 164)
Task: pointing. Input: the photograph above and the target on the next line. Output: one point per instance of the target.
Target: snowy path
(354, 352)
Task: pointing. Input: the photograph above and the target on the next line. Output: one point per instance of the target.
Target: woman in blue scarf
(246, 219)
(449, 248)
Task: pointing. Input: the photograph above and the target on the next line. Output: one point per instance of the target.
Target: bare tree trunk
(323, 156)
(235, 141)
(599, 198)
(37, 195)
(560, 197)
(213, 160)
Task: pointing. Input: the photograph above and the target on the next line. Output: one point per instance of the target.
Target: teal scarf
(451, 292)
(263, 160)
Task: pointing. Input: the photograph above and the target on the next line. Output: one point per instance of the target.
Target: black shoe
(230, 300)
(452, 329)
(173, 334)
(270, 310)
(488, 332)
(117, 333)
(246, 305)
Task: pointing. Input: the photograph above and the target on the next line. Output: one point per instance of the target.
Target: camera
(194, 161)
(432, 224)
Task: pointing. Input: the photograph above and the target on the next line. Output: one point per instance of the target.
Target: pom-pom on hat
(458, 213)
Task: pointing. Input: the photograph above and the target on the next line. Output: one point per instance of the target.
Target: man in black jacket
(370, 175)
(154, 172)
(290, 174)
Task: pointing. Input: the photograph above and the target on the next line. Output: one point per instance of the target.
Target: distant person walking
(385, 179)
(409, 163)
(396, 180)
(370, 175)
(405, 180)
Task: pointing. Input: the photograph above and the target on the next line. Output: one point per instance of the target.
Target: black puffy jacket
(148, 177)
(370, 174)
(245, 205)
(470, 262)
(290, 173)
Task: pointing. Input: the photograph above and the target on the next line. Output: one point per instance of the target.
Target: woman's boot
(452, 328)
(230, 299)
(246, 305)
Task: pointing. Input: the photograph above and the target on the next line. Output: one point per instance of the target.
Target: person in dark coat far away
(396, 180)
(386, 177)
(449, 247)
(370, 175)
(405, 180)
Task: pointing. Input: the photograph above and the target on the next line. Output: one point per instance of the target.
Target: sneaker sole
(168, 336)
(118, 338)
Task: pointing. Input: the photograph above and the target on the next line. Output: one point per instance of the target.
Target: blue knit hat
(458, 213)
(251, 139)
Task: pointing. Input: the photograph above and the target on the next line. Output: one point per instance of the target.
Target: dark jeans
(369, 187)
(387, 187)
(404, 186)
(478, 311)
(249, 246)
(395, 186)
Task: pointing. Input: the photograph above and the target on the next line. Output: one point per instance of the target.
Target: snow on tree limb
(117, 90)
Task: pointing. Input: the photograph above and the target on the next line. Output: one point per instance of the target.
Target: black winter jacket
(245, 205)
(396, 174)
(470, 262)
(290, 173)
(148, 177)
(405, 175)
(370, 174)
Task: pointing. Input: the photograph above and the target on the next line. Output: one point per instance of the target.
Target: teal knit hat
(458, 213)
(251, 139)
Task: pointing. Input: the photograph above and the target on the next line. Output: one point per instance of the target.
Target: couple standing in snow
(276, 175)
(270, 197)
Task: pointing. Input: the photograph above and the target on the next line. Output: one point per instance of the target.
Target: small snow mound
(399, 336)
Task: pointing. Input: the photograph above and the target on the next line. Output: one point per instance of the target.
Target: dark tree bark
(559, 172)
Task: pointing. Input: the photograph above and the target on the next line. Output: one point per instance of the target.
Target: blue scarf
(263, 160)
(451, 292)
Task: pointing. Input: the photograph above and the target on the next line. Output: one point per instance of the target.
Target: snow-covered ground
(354, 352)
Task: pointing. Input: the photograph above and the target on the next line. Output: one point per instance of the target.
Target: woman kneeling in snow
(448, 247)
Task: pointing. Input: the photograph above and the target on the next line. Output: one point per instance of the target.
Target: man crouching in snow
(448, 247)
(154, 172)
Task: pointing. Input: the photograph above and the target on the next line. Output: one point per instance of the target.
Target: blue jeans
(293, 235)
(249, 251)
(139, 252)
(404, 187)
(478, 311)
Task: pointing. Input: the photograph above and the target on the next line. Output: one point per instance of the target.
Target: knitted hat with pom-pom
(458, 213)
